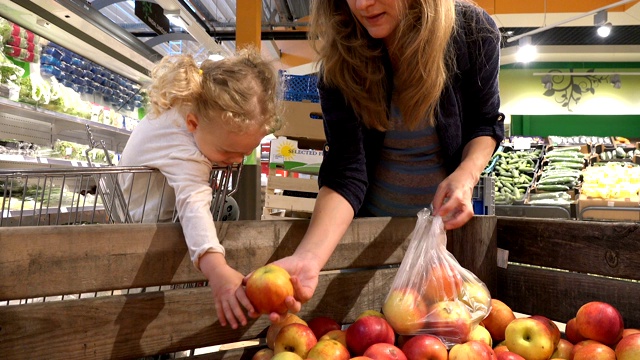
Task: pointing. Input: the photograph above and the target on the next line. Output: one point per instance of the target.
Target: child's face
(221, 146)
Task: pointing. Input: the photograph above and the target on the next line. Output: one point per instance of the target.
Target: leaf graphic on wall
(577, 89)
(549, 92)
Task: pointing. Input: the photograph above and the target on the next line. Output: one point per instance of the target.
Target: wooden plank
(162, 322)
(559, 294)
(603, 248)
(44, 261)
(292, 203)
(289, 183)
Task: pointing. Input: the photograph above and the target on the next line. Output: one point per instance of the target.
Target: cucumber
(552, 187)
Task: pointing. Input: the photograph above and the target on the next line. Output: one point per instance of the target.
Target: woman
(409, 95)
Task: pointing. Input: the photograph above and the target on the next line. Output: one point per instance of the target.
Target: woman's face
(379, 17)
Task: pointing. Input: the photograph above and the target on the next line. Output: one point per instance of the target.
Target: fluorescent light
(526, 51)
(176, 18)
(216, 57)
(604, 30)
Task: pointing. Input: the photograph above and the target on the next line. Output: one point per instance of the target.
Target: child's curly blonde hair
(240, 91)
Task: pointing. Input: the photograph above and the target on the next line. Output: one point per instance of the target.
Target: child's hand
(228, 293)
(304, 277)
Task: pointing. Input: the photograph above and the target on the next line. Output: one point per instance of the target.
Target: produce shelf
(46, 161)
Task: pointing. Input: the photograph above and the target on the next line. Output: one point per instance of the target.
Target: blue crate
(484, 196)
(300, 87)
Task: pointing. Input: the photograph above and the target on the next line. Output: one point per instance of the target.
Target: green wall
(572, 125)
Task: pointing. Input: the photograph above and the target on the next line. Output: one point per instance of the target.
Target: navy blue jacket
(468, 108)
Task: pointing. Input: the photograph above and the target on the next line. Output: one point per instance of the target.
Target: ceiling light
(604, 30)
(526, 51)
(176, 18)
(216, 57)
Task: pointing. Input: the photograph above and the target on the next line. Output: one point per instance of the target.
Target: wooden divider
(556, 266)
(55, 260)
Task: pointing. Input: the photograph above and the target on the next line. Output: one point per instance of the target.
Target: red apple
(322, 325)
(296, 338)
(337, 335)
(563, 350)
(480, 333)
(571, 332)
(268, 287)
(384, 351)
(287, 355)
(263, 354)
(361, 358)
(498, 318)
(595, 352)
(328, 350)
(449, 320)
(472, 350)
(630, 331)
(367, 331)
(529, 338)
(405, 311)
(553, 328)
(629, 347)
(579, 345)
(600, 321)
(370, 312)
(508, 355)
(274, 328)
(500, 348)
(425, 347)
(443, 282)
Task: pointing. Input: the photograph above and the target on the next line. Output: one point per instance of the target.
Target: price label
(521, 144)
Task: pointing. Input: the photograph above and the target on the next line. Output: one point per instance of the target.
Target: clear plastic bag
(432, 293)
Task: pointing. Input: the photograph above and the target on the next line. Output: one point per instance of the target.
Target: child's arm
(226, 285)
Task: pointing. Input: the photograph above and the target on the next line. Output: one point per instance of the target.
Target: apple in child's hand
(337, 335)
(367, 331)
(421, 347)
(508, 355)
(563, 350)
(571, 332)
(384, 351)
(629, 347)
(328, 350)
(529, 338)
(480, 333)
(322, 325)
(268, 287)
(296, 338)
(600, 321)
(498, 318)
(263, 354)
(287, 355)
(274, 328)
(472, 350)
(450, 320)
(405, 310)
(594, 352)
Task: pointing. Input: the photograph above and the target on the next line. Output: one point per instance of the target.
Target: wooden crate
(47, 261)
(278, 205)
(553, 267)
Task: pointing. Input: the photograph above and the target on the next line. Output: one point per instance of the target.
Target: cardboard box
(286, 155)
(612, 214)
(302, 120)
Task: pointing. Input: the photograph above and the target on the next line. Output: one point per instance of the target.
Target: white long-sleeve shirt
(164, 143)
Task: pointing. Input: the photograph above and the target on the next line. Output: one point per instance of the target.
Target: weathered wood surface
(603, 248)
(75, 259)
(71, 259)
(593, 261)
(558, 295)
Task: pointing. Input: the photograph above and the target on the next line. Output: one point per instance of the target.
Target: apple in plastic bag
(405, 310)
(450, 320)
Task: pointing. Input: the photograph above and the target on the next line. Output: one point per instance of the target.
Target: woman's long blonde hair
(240, 91)
(351, 58)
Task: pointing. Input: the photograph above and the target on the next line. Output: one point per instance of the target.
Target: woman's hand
(228, 293)
(452, 200)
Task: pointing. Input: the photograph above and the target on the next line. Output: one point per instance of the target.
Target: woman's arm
(453, 199)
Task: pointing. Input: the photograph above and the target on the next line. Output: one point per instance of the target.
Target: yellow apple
(274, 328)
(529, 338)
(296, 338)
(480, 333)
(337, 335)
(471, 350)
(477, 298)
(328, 350)
(405, 311)
(263, 354)
(287, 355)
(563, 350)
(370, 313)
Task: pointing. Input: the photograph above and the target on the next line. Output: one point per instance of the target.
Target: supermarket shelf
(62, 122)
(534, 211)
(46, 161)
